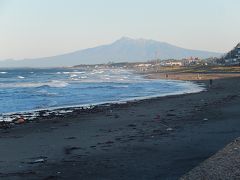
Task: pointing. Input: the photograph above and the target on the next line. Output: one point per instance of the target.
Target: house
(171, 63)
(233, 57)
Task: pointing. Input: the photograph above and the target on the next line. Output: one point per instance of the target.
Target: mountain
(122, 50)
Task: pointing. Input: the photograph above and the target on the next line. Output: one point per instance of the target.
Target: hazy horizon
(31, 29)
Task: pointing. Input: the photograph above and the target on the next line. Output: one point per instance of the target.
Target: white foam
(73, 75)
(6, 119)
(21, 77)
(121, 86)
(3, 72)
(74, 72)
(83, 77)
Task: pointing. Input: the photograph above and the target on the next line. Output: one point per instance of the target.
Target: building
(232, 57)
(171, 63)
(238, 51)
(191, 61)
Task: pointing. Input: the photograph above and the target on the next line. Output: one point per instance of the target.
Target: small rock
(20, 120)
(109, 142)
(132, 125)
(205, 119)
(72, 137)
(68, 150)
(116, 116)
(169, 114)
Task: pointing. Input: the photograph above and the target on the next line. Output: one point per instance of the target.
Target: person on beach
(210, 82)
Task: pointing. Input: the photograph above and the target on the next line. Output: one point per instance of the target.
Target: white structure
(144, 65)
(172, 63)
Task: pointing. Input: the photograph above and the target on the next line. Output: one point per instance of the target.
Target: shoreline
(6, 119)
(174, 76)
(123, 141)
(30, 115)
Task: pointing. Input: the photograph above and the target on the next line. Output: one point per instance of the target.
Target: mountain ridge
(124, 49)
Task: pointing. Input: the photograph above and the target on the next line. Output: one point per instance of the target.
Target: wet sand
(160, 138)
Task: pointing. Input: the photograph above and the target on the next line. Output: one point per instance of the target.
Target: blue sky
(37, 28)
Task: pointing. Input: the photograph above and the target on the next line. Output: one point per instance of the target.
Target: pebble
(20, 121)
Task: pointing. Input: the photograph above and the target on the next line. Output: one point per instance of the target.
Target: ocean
(34, 89)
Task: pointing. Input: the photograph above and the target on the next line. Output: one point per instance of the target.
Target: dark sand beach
(160, 138)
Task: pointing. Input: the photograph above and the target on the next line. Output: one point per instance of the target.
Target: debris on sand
(41, 160)
(169, 129)
(5, 125)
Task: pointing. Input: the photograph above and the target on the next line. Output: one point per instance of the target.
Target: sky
(41, 28)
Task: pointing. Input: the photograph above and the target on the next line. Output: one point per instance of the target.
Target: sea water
(33, 89)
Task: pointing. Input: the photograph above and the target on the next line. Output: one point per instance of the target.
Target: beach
(158, 138)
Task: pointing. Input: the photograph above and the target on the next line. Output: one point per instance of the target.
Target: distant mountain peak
(126, 39)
